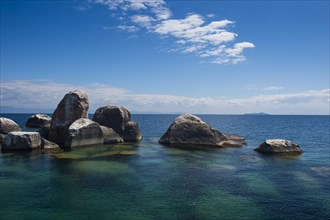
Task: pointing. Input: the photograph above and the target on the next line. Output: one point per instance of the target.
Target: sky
(157, 56)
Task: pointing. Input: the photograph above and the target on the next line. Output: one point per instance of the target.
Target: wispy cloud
(267, 88)
(47, 94)
(211, 40)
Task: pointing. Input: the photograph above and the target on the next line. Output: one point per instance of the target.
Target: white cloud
(210, 40)
(47, 94)
(143, 20)
(272, 88)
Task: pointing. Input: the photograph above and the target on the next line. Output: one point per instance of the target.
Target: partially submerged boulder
(83, 132)
(279, 146)
(110, 136)
(132, 132)
(188, 129)
(48, 145)
(19, 140)
(7, 125)
(38, 121)
(119, 119)
(73, 106)
(115, 117)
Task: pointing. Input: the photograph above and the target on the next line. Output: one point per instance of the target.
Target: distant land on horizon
(257, 113)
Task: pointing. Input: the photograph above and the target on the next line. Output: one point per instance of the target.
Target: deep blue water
(150, 181)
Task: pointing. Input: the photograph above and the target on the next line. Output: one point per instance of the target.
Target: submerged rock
(7, 125)
(73, 106)
(115, 117)
(19, 140)
(38, 121)
(132, 132)
(189, 129)
(279, 146)
(83, 132)
(110, 136)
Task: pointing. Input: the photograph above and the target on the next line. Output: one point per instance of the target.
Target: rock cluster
(70, 127)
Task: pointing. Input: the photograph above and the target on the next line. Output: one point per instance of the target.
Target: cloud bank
(47, 94)
(212, 41)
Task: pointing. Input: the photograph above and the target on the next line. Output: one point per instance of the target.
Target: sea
(147, 180)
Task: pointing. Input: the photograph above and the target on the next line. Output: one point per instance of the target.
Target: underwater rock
(7, 125)
(132, 132)
(110, 136)
(279, 146)
(83, 132)
(38, 121)
(189, 129)
(73, 106)
(19, 140)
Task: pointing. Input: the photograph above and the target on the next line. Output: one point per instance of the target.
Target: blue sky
(225, 57)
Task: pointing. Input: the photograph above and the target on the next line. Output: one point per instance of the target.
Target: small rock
(132, 132)
(110, 136)
(7, 125)
(279, 146)
(19, 140)
(38, 121)
(48, 145)
(84, 132)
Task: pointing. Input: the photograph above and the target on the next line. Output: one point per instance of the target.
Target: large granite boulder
(38, 121)
(279, 146)
(132, 132)
(188, 129)
(110, 136)
(73, 106)
(19, 140)
(115, 117)
(7, 125)
(83, 132)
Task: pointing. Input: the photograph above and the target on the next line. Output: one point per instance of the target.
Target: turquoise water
(150, 181)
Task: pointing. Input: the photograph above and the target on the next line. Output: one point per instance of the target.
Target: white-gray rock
(84, 132)
(48, 145)
(110, 136)
(279, 146)
(19, 140)
(73, 106)
(132, 132)
(38, 121)
(190, 130)
(7, 125)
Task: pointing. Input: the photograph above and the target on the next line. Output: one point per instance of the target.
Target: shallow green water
(150, 181)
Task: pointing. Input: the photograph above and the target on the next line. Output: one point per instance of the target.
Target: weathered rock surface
(132, 132)
(48, 145)
(279, 146)
(83, 132)
(188, 129)
(110, 136)
(44, 132)
(114, 117)
(38, 121)
(7, 125)
(19, 140)
(73, 106)
(2, 136)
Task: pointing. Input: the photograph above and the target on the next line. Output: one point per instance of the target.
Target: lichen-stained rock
(19, 140)
(110, 136)
(115, 117)
(38, 121)
(132, 132)
(189, 129)
(279, 146)
(83, 132)
(7, 125)
(73, 106)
